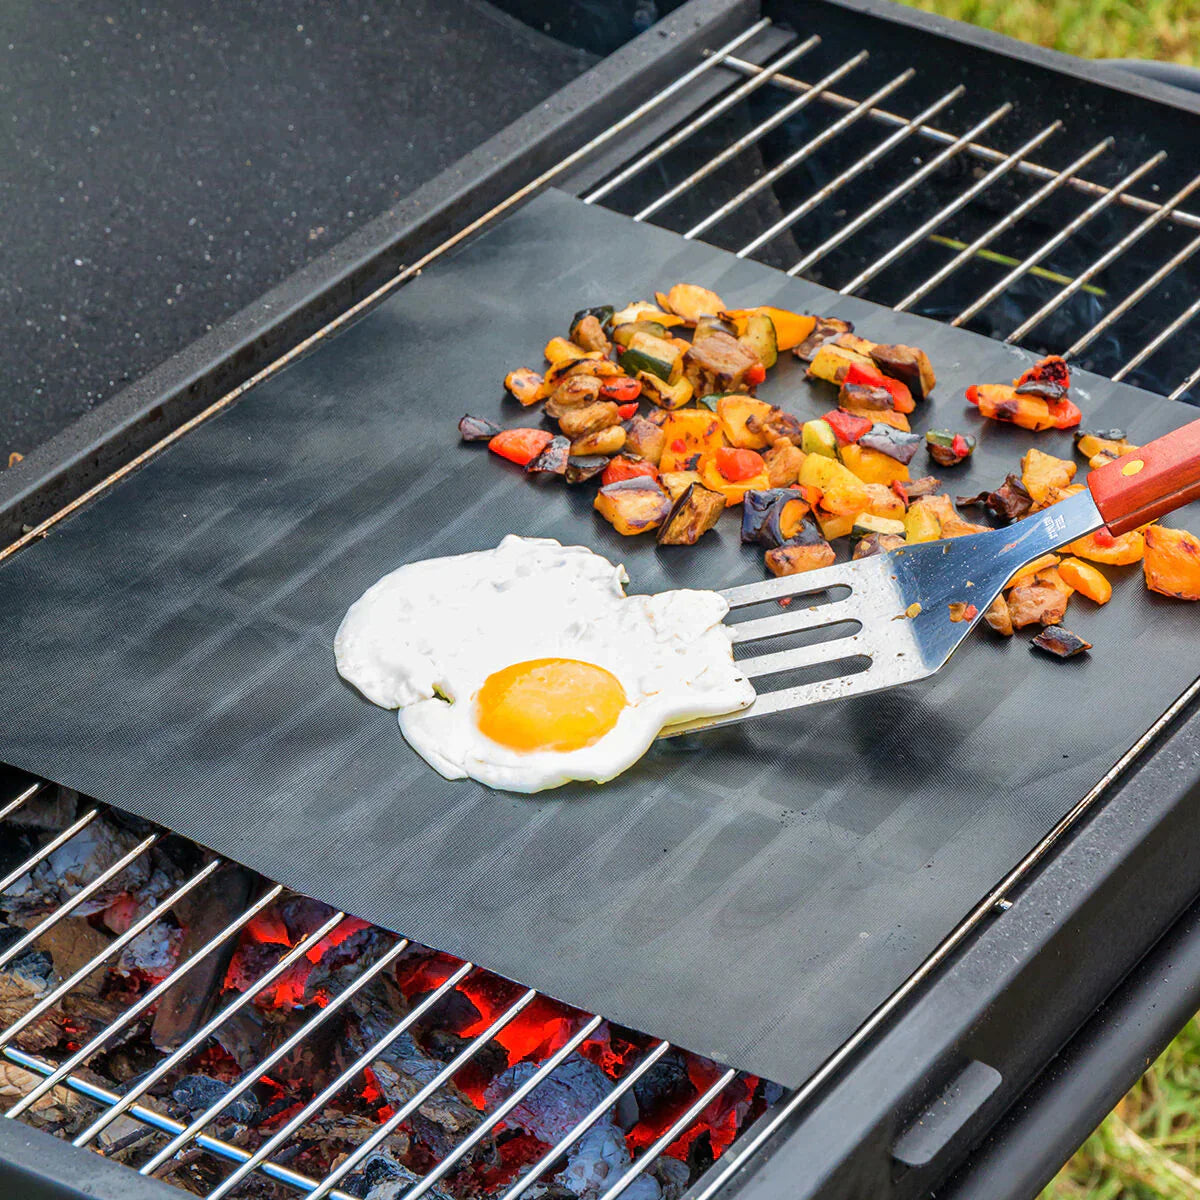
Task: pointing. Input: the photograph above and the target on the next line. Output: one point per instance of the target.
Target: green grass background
(1149, 1146)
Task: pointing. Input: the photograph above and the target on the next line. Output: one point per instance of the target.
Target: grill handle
(1149, 483)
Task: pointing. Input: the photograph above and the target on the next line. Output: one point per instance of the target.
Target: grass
(1168, 30)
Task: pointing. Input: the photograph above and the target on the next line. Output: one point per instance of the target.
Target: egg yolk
(549, 704)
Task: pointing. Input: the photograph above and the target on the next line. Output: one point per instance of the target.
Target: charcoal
(154, 951)
(198, 1092)
(673, 1176)
(700, 1155)
(302, 916)
(598, 1160)
(454, 1011)
(50, 811)
(666, 1082)
(558, 1103)
(340, 965)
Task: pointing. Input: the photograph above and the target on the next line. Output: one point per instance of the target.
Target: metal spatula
(888, 619)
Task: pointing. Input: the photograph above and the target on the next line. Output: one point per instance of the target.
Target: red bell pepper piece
(755, 375)
(621, 388)
(847, 427)
(973, 395)
(959, 446)
(736, 465)
(1066, 414)
(521, 446)
(902, 400)
(970, 612)
(872, 376)
(624, 467)
(678, 446)
(625, 411)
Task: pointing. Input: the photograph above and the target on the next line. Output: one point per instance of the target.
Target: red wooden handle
(1151, 482)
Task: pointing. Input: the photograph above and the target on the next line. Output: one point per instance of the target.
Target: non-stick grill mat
(752, 894)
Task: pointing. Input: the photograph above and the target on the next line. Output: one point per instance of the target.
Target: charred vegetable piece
(1102, 547)
(691, 302)
(777, 425)
(892, 442)
(877, 543)
(576, 391)
(644, 310)
(907, 364)
(1031, 570)
(604, 441)
(998, 402)
(624, 467)
(952, 524)
(600, 313)
(790, 328)
(719, 363)
(841, 490)
(1172, 562)
(645, 439)
(1065, 414)
(476, 429)
(1060, 642)
(581, 469)
(760, 339)
(714, 324)
(693, 514)
(520, 446)
(1050, 379)
(688, 432)
(589, 334)
(624, 334)
(589, 418)
(653, 355)
(818, 437)
(678, 482)
(873, 467)
(1009, 502)
(552, 460)
(807, 552)
(999, 618)
(866, 524)
(960, 610)
(772, 517)
(590, 363)
(621, 388)
(734, 412)
(865, 398)
(1087, 580)
(927, 485)
(560, 350)
(867, 374)
(847, 427)
(949, 449)
(737, 462)
(784, 461)
(666, 395)
(633, 506)
(832, 361)
(1037, 603)
(824, 329)
(524, 385)
(1042, 472)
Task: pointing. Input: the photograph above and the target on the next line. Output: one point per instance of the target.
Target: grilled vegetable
(691, 302)
(832, 361)
(867, 374)
(1009, 502)
(847, 427)
(921, 524)
(654, 355)
(1060, 642)
(713, 324)
(892, 442)
(1102, 547)
(591, 362)
(520, 446)
(643, 310)
(677, 482)
(1049, 378)
(733, 473)
(873, 467)
(633, 506)
(688, 433)
(734, 411)
(665, 395)
(559, 349)
(927, 485)
(790, 328)
(865, 399)
(818, 438)
(877, 543)
(645, 439)
(587, 323)
(998, 402)
(808, 551)
(578, 422)
(776, 425)
(1037, 603)
(603, 441)
(784, 461)
(1086, 580)
(624, 467)
(524, 385)
(621, 388)
(719, 363)
(773, 516)
(552, 460)
(883, 502)
(824, 329)
(952, 524)
(760, 339)
(841, 490)
(949, 449)
(999, 618)
(581, 469)
(693, 514)
(907, 364)
(833, 525)
(1031, 570)
(1172, 562)
(476, 429)
(1042, 472)
(624, 334)
(866, 524)
(1102, 448)
(576, 391)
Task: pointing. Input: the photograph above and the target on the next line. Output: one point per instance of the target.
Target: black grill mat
(751, 895)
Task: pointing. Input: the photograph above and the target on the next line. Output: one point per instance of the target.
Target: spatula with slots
(895, 618)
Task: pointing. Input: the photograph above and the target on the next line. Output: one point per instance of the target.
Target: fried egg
(527, 666)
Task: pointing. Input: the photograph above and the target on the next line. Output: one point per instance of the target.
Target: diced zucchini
(624, 334)
(818, 437)
(760, 338)
(665, 395)
(654, 355)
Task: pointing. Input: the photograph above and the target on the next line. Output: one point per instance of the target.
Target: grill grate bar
(1192, 379)
(754, 135)
(28, 794)
(681, 135)
(1113, 252)
(1057, 240)
(959, 202)
(885, 202)
(1146, 351)
(988, 236)
(48, 849)
(975, 149)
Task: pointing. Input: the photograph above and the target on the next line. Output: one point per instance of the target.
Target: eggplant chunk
(718, 363)
(693, 514)
(477, 429)
(773, 516)
(581, 469)
(1062, 643)
(907, 364)
(645, 439)
(823, 331)
(552, 460)
(677, 482)
(589, 418)
(793, 558)
(604, 441)
(524, 385)
(633, 506)
(877, 543)
(784, 461)
(1036, 603)
(892, 442)
(865, 397)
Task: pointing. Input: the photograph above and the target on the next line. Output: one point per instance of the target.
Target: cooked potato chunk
(633, 506)
(575, 391)
(734, 411)
(1042, 472)
(603, 441)
(793, 558)
(589, 418)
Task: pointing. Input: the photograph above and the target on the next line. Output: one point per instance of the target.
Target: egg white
(424, 638)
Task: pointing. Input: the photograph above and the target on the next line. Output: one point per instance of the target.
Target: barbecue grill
(885, 155)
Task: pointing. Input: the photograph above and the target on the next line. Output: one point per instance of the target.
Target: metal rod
(255, 1073)
(990, 235)
(180, 1055)
(1113, 252)
(323, 1097)
(156, 1120)
(1151, 346)
(1143, 288)
(711, 114)
(110, 951)
(1186, 385)
(1057, 240)
(494, 1118)
(413, 1103)
(976, 150)
(556, 1151)
(797, 156)
(855, 168)
(76, 900)
(901, 189)
(140, 1006)
(919, 234)
(748, 139)
(28, 794)
(653, 1151)
(48, 849)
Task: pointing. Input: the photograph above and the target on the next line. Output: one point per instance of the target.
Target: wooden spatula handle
(1149, 483)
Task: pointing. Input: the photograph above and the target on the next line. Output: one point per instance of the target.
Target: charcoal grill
(921, 165)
